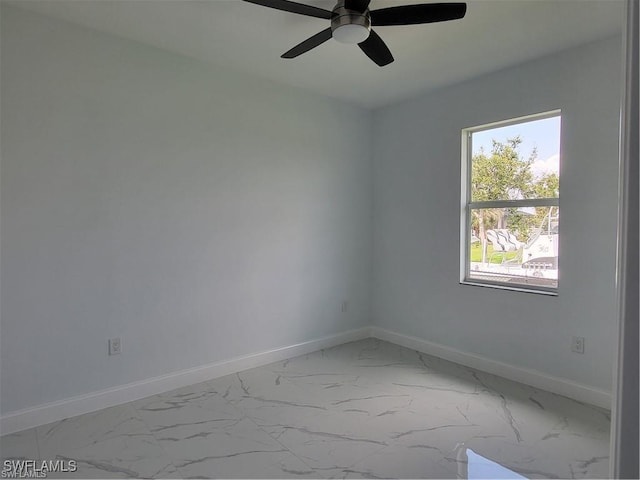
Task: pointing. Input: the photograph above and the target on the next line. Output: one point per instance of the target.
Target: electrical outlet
(115, 346)
(577, 344)
(344, 307)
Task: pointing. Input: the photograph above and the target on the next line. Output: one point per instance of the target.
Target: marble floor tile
(200, 394)
(329, 439)
(402, 462)
(21, 445)
(266, 398)
(252, 464)
(184, 414)
(531, 461)
(238, 450)
(366, 409)
(110, 443)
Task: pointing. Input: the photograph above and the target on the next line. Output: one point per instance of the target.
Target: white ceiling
(250, 38)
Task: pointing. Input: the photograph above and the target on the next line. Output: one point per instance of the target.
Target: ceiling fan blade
(416, 14)
(357, 5)
(308, 44)
(375, 48)
(294, 7)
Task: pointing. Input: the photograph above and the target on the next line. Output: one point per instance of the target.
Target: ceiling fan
(351, 22)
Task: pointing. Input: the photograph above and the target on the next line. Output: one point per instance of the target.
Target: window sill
(513, 288)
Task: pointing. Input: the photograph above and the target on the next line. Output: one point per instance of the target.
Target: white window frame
(467, 205)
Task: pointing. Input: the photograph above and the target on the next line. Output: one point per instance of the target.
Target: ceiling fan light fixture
(351, 33)
(350, 26)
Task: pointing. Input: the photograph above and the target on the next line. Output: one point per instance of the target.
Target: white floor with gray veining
(367, 409)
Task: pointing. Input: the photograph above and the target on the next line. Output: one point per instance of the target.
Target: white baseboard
(561, 386)
(78, 405)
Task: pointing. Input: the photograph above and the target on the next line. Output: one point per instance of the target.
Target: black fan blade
(416, 14)
(376, 49)
(357, 5)
(308, 44)
(294, 7)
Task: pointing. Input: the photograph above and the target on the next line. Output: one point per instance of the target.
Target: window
(511, 191)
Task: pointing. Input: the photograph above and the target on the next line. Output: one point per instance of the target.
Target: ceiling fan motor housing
(350, 26)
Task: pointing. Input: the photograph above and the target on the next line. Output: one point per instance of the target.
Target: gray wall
(416, 288)
(196, 213)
